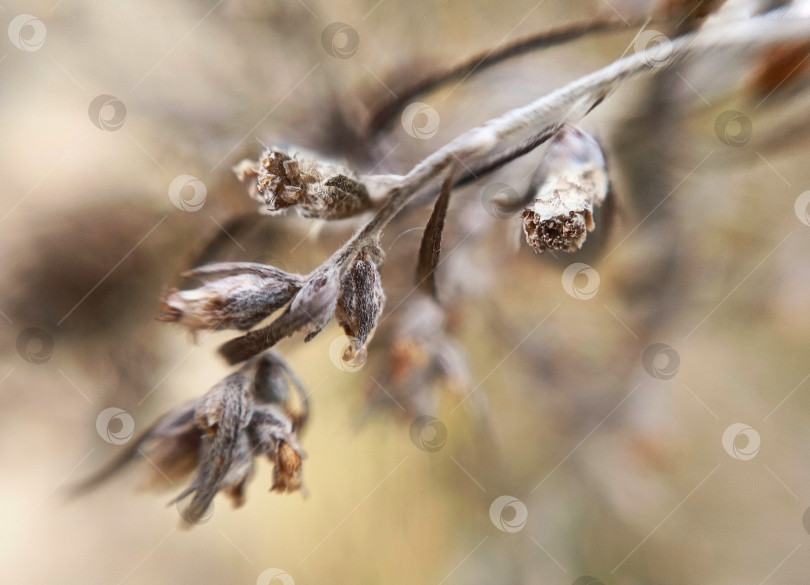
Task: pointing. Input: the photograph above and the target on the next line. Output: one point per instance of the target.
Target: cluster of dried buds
(569, 183)
(317, 189)
(238, 295)
(250, 413)
(247, 413)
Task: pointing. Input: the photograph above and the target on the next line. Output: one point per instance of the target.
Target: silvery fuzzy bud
(317, 301)
(222, 415)
(309, 311)
(570, 182)
(316, 188)
(241, 295)
(360, 304)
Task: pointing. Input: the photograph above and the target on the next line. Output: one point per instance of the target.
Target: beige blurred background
(624, 475)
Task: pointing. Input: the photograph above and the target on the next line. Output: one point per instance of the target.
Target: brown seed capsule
(570, 182)
(317, 189)
(287, 474)
(360, 304)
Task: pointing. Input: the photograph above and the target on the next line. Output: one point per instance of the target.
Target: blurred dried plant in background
(465, 335)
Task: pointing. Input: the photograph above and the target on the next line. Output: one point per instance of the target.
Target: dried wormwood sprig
(571, 181)
(237, 419)
(298, 179)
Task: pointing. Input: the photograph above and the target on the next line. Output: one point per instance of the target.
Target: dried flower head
(221, 433)
(316, 188)
(236, 295)
(570, 182)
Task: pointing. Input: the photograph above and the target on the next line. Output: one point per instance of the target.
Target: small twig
(567, 104)
(549, 38)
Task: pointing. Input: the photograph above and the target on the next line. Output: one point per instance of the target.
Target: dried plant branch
(248, 413)
(568, 104)
(569, 32)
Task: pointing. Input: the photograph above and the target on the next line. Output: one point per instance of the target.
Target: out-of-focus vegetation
(624, 474)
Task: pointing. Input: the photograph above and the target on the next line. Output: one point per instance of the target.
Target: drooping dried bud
(316, 188)
(571, 181)
(272, 434)
(223, 413)
(220, 434)
(360, 304)
(308, 312)
(236, 295)
(287, 473)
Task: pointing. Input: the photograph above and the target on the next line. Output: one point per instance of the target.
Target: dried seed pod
(223, 413)
(272, 434)
(360, 304)
(242, 296)
(570, 182)
(316, 188)
(287, 473)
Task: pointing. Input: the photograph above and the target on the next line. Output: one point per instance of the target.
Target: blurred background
(635, 419)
